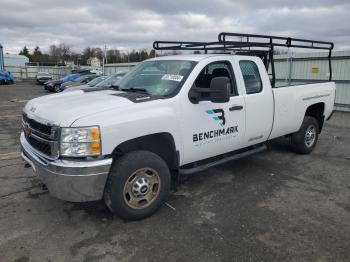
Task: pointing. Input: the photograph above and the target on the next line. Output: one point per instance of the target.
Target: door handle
(234, 108)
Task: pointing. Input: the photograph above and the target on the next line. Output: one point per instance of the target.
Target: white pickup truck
(170, 115)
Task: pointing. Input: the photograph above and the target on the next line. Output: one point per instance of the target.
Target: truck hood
(64, 108)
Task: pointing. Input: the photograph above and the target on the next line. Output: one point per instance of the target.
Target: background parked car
(83, 71)
(6, 78)
(43, 77)
(110, 82)
(55, 85)
(70, 77)
(78, 81)
(88, 85)
(97, 80)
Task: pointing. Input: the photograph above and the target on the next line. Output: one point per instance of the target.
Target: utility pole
(1, 59)
(104, 59)
(105, 52)
(128, 60)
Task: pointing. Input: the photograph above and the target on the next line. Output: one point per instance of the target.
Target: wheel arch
(162, 144)
(317, 111)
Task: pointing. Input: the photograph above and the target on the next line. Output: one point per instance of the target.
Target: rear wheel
(304, 141)
(138, 184)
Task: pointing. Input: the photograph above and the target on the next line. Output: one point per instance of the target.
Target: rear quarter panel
(291, 103)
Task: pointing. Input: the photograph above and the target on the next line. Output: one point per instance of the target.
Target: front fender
(130, 122)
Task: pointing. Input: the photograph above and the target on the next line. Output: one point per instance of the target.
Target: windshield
(97, 80)
(160, 77)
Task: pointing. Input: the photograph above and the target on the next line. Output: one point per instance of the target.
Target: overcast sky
(137, 23)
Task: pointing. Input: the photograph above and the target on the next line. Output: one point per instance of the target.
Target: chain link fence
(304, 68)
(30, 72)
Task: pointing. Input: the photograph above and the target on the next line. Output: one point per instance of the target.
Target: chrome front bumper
(75, 181)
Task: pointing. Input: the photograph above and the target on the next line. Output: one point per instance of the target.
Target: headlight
(80, 141)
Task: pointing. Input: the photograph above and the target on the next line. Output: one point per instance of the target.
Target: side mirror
(219, 91)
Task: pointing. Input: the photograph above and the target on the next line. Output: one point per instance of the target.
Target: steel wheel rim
(310, 136)
(141, 188)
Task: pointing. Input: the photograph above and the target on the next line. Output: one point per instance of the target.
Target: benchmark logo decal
(216, 135)
(220, 117)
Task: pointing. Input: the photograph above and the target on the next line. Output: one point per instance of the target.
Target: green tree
(152, 53)
(25, 52)
(143, 55)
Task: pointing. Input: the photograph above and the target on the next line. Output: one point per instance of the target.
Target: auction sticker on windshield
(171, 77)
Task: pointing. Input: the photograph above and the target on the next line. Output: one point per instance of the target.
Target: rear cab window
(251, 76)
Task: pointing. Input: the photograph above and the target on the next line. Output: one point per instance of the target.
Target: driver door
(209, 128)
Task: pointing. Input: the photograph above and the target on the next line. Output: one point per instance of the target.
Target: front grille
(41, 146)
(41, 137)
(37, 126)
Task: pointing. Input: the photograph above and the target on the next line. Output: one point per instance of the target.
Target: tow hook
(44, 187)
(27, 165)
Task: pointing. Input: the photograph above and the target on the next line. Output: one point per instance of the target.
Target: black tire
(57, 88)
(301, 141)
(123, 173)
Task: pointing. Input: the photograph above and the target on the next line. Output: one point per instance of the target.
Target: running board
(189, 171)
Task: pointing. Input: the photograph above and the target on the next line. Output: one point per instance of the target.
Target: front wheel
(57, 88)
(138, 184)
(304, 141)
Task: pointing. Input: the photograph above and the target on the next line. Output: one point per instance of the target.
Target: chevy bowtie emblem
(26, 130)
(32, 109)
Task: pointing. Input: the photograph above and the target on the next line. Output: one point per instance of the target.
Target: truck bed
(291, 103)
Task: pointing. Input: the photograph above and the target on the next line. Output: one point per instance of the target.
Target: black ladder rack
(262, 46)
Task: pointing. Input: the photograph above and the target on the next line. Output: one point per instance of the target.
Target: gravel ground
(274, 206)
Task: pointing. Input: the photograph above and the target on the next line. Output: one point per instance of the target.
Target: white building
(15, 60)
(94, 62)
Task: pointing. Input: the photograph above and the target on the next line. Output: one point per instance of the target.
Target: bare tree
(65, 51)
(62, 52)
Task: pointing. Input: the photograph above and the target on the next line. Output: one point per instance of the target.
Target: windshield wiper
(116, 87)
(135, 89)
